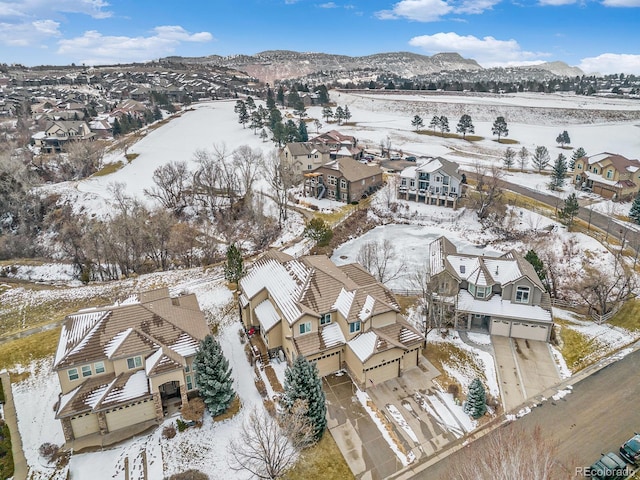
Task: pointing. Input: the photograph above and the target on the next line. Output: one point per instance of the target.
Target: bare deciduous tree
(173, 184)
(388, 192)
(268, 446)
(488, 195)
(84, 158)
(511, 452)
(378, 258)
(281, 178)
(247, 162)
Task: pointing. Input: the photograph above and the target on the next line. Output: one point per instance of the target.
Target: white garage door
(130, 415)
(500, 327)
(529, 331)
(328, 364)
(382, 372)
(85, 425)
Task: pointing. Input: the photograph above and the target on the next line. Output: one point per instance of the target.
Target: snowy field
(215, 123)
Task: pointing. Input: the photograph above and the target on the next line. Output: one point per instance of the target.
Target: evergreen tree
(347, 113)
(435, 123)
(264, 135)
(251, 104)
(243, 114)
(563, 138)
(570, 209)
(540, 158)
(523, 156)
(290, 132)
(319, 231)
(323, 94)
(213, 377)
(537, 264)
(301, 382)
(500, 128)
(280, 95)
(509, 158)
(476, 404)
(339, 115)
(157, 114)
(634, 213)
(271, 101)
(234, 267)
(417, 123)
(275, 117)
(116, 129)
(444, 125)
(577, 154)
(465, 125)
(303, 134)
(390, 85)
(327, 113)
(558, 172)
(256, 121)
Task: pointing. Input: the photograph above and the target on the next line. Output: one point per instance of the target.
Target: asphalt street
(597, 417)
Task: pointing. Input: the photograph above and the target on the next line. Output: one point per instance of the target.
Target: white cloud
(611, 63)
(47, 27)
(328, 5)
(94, 48)
(556, 3)
(25, 34)
(621, 3)
(433, 10)
(487, 51)
(46, 8)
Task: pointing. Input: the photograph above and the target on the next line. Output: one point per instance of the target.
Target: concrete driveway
(525, 369)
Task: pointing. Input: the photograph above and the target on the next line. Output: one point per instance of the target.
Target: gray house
(433, 180)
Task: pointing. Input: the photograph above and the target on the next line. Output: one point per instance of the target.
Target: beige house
(120, 367)
(303, 157)
(60, 132)
(609, 175)
(344, 179)
(338, 316)
(339, 144)
(502, 295)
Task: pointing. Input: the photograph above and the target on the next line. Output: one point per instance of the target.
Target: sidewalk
(19, 461)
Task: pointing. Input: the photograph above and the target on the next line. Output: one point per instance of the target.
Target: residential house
(344, 179)
(121, 367)
(432, 180)
(502, 295)
(609, 175)
(60, 132)
(339, 317)
(340, 145)
(304, 156)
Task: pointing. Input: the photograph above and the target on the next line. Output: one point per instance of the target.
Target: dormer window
(483, 292)
(522, 295)
(354, 327)
(325, 319)
(134, 362)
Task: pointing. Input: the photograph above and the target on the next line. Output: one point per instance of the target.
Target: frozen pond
(410, 244)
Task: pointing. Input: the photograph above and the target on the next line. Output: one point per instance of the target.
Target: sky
(599, 36)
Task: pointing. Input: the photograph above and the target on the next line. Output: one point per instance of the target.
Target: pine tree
(476, 404)
(444, 125)
(558, 172)
(417, 123)
(116, 129)
(577, 154)
(540, 158)
(301, 381)
(264, 135)
(537, 264)
(500, 128)
(280, 95)
(271, 101)
(339, 115)
(213, 377)
(563, 138)
(509, 158)
(327, 113)
(465, 125)
(303, 134)
(347, 113)
(634, 213)
(234, 267)
(435, 123)
(523, 155)
(570, 209)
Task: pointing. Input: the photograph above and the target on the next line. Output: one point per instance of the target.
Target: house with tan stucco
(339, 317)
(121, 367)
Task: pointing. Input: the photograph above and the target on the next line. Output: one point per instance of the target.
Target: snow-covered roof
(367, 308)
(503, 271)
(430, 166)
(496, 306)
(464, 265)
(332, 335)
(136, 386)
(600, 179)
(76, 332)
(363, 346)
(267, 315)
(185, 345)
(152, 360)
(343, 302)
(409, 172)
(113, 345)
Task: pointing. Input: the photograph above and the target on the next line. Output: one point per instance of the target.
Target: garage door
(382, 372)
(328, 364)
(130, 415)
(411, 358)
(529, 331)
(85, 425)
(500, 327)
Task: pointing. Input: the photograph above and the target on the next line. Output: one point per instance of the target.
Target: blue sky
(596, 35)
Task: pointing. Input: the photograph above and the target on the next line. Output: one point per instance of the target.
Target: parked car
(630, 450)
(395, 157)
(410, 158)
(609, 467)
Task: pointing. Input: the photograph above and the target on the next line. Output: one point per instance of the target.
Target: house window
(579, 166)
(331, 180)
(437, 179)
(73, 374)
(343, 183)
(309, 167)
(595, 170)
(482, 292)
(325, 319)
(98, 367)
(412, 184)
(187, 369)
(354, 327)
(134, 362)
(445, 180)
(403, 182)
(86, 371)
(472, 286)
(522, 295)
(578, 177)
(609, 173)
(305, 328)
(189, 382)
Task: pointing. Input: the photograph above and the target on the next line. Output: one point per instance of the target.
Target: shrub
(270, 407)
(189, 475)
(454, 390)
(49, 451)
(169, 431)
(181, 425)
(194, 410)
(262, 388)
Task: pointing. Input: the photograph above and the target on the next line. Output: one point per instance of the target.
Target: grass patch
(322, 461)
(406, 302)
(6, 454)
(231, 412)
(108, 169)
(629, 316)
(508, 141)
(335, 216)
(577, 349)
(131, 156)
(273, 379)
(445, 353)
(25, 350)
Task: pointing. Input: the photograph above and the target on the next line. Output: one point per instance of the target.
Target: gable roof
(131, 328)
(351, 169)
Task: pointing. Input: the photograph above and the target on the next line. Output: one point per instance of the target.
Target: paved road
(597, 417)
